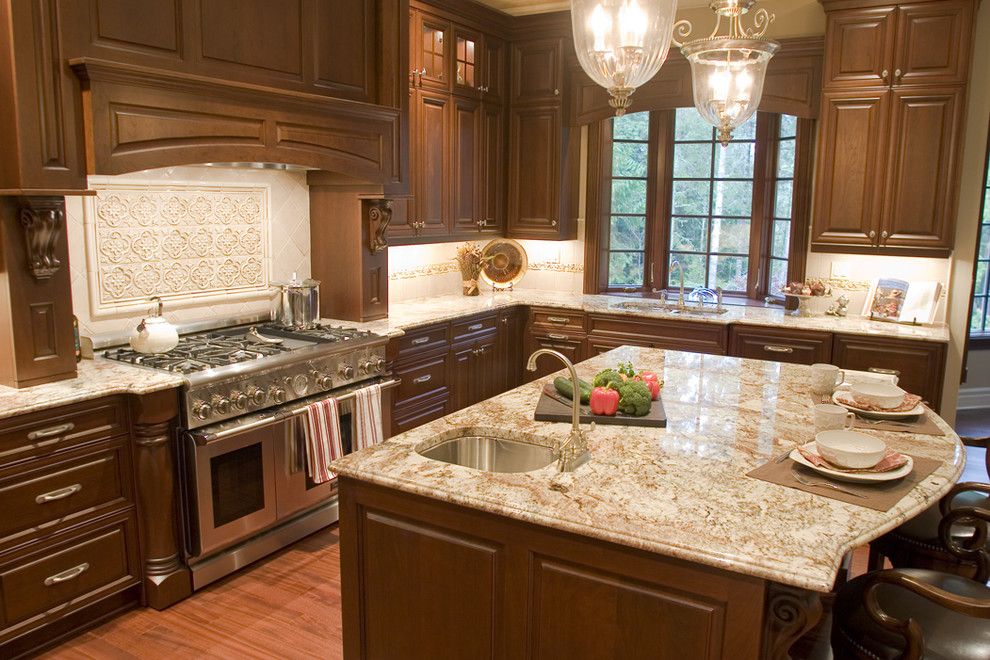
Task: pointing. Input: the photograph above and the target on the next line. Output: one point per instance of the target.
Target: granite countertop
(679, 491)
(424, 311)
(96, 378)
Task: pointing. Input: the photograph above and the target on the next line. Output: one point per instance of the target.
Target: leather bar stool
(918, 613)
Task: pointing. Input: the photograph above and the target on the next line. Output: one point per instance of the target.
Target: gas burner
(321, 333)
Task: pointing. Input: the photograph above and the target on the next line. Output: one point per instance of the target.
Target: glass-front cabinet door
(467, 55)
(433, 50)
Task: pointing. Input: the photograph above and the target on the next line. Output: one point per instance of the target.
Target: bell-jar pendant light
(621, 44)
(728, 71)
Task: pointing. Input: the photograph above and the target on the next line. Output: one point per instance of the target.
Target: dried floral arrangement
(811, 287)
(470, 259)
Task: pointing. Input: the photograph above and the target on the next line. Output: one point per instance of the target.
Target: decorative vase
(470, 287)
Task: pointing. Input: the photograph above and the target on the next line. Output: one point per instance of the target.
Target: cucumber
(564, 386)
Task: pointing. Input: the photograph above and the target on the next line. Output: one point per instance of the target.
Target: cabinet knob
(556, 92)
(553, 223)
(897, 75)
(884, 236)
(872, 235)
(885, 75)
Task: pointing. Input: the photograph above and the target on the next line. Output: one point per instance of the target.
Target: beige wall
(967, 223)
(794, 18)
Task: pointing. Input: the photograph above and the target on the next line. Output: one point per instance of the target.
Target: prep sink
(490, 451)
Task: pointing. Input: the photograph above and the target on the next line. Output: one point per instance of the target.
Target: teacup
(825, 378)
(850, 449)
(830, 417)
(881, 395)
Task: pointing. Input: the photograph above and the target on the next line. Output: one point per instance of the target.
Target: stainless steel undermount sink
(488, 450)
(644, 306)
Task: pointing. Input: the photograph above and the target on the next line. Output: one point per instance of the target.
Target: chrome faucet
(680, 268)
(573, 452)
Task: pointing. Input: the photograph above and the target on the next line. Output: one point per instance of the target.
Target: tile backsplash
(416, 271)
(207, 240)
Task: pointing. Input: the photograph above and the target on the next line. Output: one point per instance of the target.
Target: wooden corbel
(43, 219)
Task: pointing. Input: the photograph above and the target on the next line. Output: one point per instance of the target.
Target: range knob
(373, 365)
(221, 404)
(322, 381)
(277, 394)
(347, 371)
(258, 396)
(240, 399)
(202, 410)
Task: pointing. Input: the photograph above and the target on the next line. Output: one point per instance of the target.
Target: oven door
(233, 483)
(295, 489)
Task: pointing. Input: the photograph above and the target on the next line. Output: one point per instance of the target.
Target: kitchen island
(660, 546)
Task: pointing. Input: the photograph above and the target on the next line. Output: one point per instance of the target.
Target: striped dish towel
(323, 444)
(368, 417)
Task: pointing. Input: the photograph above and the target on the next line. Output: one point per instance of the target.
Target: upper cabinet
(891, 126)
(457, 131)
(537, 70)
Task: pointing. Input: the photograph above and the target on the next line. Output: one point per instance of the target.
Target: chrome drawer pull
(778, 349)
(55, 430)
(59, 494)
(885, 372)
(558, 319)
(421, 340)
(552, 336)
(65, 576)
(422, 379)
(476, 326)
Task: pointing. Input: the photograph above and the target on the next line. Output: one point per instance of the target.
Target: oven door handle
(205, 436)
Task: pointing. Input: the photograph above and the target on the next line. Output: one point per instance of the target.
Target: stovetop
(219, 348)
(235, 371)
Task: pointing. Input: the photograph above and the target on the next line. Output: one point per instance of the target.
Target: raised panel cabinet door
(431, 162)
(265, 36)
(485, 368)
(535, 170)
(537, 70)
(344, 48)
(933, 42)
(462, 378)
(466, 163)
(850, 178)
(919, 365)
(493, 69)
(493, 169)
(859, 47)
(571, 347)
(923, 170)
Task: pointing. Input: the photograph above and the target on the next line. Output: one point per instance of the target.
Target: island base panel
(425, 578)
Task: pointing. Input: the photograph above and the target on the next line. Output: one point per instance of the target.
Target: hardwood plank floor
(285, 606)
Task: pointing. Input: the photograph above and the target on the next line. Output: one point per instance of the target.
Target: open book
(899, 300)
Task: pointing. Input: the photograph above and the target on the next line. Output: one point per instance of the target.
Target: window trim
(979, 340)
(659, 183)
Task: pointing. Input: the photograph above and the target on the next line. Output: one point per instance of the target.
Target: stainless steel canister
(297, 304)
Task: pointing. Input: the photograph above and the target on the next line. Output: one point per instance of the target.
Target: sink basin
(692, 308)
(490, 451)
(642, 306)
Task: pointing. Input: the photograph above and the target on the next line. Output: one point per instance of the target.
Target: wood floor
(286, 606)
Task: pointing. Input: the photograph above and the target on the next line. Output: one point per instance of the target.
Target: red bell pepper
(652, 381)
(604, 401)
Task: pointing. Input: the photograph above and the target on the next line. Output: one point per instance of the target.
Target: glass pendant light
(728, 71)
(621, 44)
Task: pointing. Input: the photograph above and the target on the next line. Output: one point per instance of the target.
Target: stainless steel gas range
(242, 442)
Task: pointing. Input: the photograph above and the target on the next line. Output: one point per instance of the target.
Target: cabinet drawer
(41, 433)
(422, 413)
(421, 379)
(63, 491)
(780, 346)
(671, 335)
(57, 578)
(571, 347)
(567, 320)
(473, 329)
(424, 340)
(919, 365)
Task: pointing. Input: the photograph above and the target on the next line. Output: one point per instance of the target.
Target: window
(726, 215)
(979, 324)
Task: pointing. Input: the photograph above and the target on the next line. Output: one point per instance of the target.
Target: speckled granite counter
(679, 491)
(424, 311)
(96, 378)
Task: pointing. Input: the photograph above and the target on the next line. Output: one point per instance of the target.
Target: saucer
(876, 414)
(853, 477)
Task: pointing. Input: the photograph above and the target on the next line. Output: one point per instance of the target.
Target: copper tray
(505, 263)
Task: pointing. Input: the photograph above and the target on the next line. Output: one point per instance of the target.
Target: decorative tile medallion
(177, 241)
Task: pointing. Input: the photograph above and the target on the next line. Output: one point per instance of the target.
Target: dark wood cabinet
(918, 365)
(473, 372)
(511, 352)
(430, 163)
(892, 113)
(468, 164)
(537, 70)
(780, 345)
(660, 333)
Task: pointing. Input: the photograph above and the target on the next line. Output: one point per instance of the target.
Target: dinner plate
(876, 414)
(853, 477)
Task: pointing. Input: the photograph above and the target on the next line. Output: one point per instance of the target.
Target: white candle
(632, 24)
(600, 24)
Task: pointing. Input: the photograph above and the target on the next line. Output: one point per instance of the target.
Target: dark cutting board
(549, 409)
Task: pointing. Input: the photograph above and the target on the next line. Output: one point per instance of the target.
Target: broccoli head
(609, 377)
(635, 398)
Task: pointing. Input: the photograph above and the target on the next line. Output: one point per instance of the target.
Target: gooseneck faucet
(680, 269)
(573, 452)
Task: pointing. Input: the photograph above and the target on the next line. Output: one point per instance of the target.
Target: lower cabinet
(690, 336)
(571, 346)
(918, 365)
(796, 346)
(473, 372)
